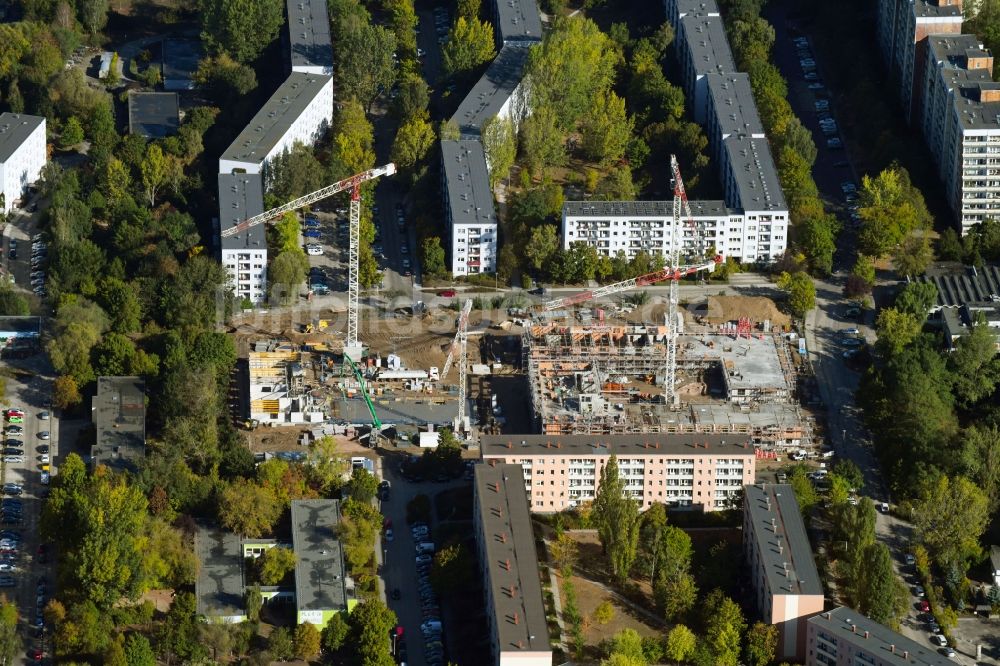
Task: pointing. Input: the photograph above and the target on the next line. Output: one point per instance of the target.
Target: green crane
(376, 423)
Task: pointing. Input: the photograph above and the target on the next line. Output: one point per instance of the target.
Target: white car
(43, 458)
(314, 249)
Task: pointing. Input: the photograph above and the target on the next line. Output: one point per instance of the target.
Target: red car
(35, 654)
(387, 524)
(923, 606)
(448, 293)
(14, 412)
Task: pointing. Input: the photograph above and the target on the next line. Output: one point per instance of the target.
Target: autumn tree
(275, 564)
(606, 128)
(307, 641)
(681, 643)
(248, 509)
(469, 45)
(413, 142)
(761, 644)
(500, 145)
(616, 516)
(241, 28)
(801, 292)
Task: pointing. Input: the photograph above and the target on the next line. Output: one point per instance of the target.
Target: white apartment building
(632, 226)
(244, 256)
(300, 110)
(472, 220)
(731, 112)
(702, 49)
(678, 9)
(22, 154)
(704, 472)
(309, 39)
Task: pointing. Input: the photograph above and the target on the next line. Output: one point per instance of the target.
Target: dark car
(311, 233)
(10, 451)
(13, 249)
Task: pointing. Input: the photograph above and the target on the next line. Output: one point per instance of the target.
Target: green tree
(335, 633)
(120, 300)
(676, 595)
(241, 28)
(327, 466)
(158, 170)
(469, 45)
(500, 146)
(606, 128)
(980, 459)
(352, 140)
(917, 299)
(801, 292)
(724, 627)
(225, 80)
(761, 644)
(879, 587)
(890, 209)
(138, 651)
(452, 569)
(913, 255)
(248, 509)
(275, 564)
(254, 602)
(544, 243)
(805, 493)
(413, 98)
(366, 67)
(307, 641)
(681, 642)
(179, 635)
(433, 257)
(363, 485)
(468, 8)
(287, 273)
(370, 623)
(817, 234)
(10, 640)
(12, 304)
(413, 142)
(280, 644)
(604, 613)
(286, 232)
(950, 515)
(896, 330)
(295, 173)
(542, 140)
(974, 366)
(616, 516)
(72, 133)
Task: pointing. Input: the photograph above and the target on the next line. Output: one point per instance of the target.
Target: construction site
(734, 377)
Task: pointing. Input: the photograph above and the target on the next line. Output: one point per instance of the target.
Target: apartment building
(786, 585)
(704, 472)
(519, 633)
(702, 49)
(243, 255)
(310, 43)
(22, 155)
(751, 184)
(516, 21)
(678, 9)
(845, 637)
(472, 218)
(731, 111)
(903, 28)
(500, 93)
(300, 110)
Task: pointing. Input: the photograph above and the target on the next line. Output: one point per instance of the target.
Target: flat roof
(15, 128)
(677, 9)
(467, 180)
(954, 50)
(492, 90)
(781, 539)
(309, 36)
(972, 113)
(119, 414)
(959, 285)
(735, 108)
(241, 195)
(928, 9)
(754, 173)
(153, 115)
(705, 40)
(180, 59)
(320, 577)
(639, 209)
(518, 20)
(749, 363)
(274, 119)
(849, 627)
(510, 560)
(219, 588)
(674, 444)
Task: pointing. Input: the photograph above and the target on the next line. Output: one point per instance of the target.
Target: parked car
(939, 639)
(314, 249)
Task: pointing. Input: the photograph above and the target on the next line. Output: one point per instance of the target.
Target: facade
(845, 637)
(518, 630)
(244, 256)
(153, 115)
(634, 226)
(903, 27)
(22, 155)
(472, 219)
(309, 40)
(786, 585)
(119, 415)
(702, 471)
(300, 110)
(322, 587)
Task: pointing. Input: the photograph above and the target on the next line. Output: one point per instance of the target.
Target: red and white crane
(677, 268)
(460, 344)
(352, 347)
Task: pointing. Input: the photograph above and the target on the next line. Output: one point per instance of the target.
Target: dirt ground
(589, 596)
(723, 309)
(287, 439)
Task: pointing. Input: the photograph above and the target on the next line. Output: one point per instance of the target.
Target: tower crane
(460, 344)
(352, 347)
(674, 271)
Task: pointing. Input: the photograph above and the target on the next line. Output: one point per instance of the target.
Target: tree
(616, 516)
(10, 640)
(120, 300)
(12, 304)
(286, 232)
(468, 8)
(370, 623)
(287, 273)
(606, 128)
(544, 243)
(248, 509)
(295, 173)
(500, 145)
(724, 626)
(452, 569)
(413, 98)
(896, 330)
(254, 602)
(157, 171)
(365, 57)
(307, 641)
(542, 140)
(72, 133)
(676, 595)
(65, 393)
(138, 651)
(890, 209)
(335, 633)
(817, 233)
(914, 254)
(878, 586)
(980, 460)
(413, 142)
(805, 493)
(974, 366)
(179, 634)
(352, 141)
(327, 466)
(241, 28)
(469, 45)
(801, 292)
(950, 514)
(225, 80)
(433, 257)
(280, 644)
(604, 612)
(275, 564)
(681, 642)
(761, 644)
(917, 299)
(363, 485)
(627, 643)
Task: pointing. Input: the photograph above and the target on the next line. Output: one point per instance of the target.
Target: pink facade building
(845, 637)
(786, 585)
(696, 471)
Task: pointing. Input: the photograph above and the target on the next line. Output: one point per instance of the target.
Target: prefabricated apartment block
(845, 637)
(786, 585)
(702, 472)
(518, 627)
(22, 155)
(243, 255)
